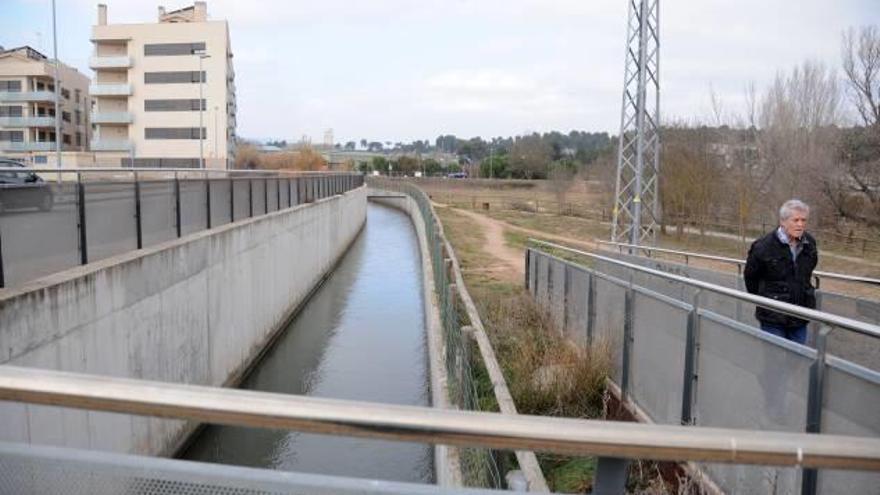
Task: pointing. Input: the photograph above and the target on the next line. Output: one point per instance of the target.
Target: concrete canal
(360, 337)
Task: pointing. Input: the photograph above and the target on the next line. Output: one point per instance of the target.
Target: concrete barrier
(194, 310)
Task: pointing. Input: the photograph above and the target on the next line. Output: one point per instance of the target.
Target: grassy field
(546, 374)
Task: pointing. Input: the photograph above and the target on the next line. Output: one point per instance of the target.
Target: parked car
(22, 189)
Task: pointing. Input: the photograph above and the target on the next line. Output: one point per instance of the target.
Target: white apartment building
(27, 106)
(155, 82)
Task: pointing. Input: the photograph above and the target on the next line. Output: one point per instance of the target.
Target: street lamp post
(57, 94)
(202, 56)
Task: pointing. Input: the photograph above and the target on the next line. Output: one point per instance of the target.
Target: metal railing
(817, 370)
(687, 255)
(423, 424)
(75, 216)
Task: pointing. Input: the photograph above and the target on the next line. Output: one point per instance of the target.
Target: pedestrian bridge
(116, 345)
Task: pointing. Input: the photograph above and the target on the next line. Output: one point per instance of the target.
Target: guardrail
(687, 255)
(441, 426)
(661, 329)
(88, 214)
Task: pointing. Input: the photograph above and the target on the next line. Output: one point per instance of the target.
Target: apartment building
(164, 92)
(27, 106)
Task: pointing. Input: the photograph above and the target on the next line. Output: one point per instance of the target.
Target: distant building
(146, 89)
(27, 106)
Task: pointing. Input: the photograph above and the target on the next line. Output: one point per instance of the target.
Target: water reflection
(361, 337)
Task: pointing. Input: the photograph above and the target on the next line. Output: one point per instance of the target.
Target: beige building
(27, 106)
(147, 90)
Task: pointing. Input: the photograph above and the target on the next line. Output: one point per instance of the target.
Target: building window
(175, 105)
(65, 116)
(10, 86)
(165, 49)
(10, 111)
(40, 159)
(77, 117)
(12, 136)
(173, 133)
(77, 93)
(79, 139)
(174, 77)
(65, 93)
(66, 138)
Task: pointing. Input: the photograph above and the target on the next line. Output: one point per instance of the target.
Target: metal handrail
(76, 170)
(782, 307)
(443, 426)
(689, 254)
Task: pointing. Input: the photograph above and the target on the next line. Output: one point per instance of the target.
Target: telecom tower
(636, 208)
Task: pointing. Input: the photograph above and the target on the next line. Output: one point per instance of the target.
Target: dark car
(22, 189)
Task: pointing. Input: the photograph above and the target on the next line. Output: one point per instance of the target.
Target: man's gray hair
(789, 206)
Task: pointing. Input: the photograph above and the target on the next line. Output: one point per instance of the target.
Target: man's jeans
(797, 334)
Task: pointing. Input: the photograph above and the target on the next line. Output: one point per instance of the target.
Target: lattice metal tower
(636, 207)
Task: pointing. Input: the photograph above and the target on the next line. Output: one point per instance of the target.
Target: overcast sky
(397, 70)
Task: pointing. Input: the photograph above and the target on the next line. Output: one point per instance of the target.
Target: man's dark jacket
(770, 272)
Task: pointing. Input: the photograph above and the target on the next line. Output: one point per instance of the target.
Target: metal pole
(137, 212)
(591, 308)
(2, 280)
(207, 201)
(231, 199)
(810, 479)
(628, 303)
(610, 476)
(250, 198)
(177, 215)
(690, 361)
(81, 207)
(57, 94)
(528, 262)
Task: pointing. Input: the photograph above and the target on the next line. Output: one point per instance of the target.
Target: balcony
(28, 146)
(27, 121)
(104, 62)
(27, 96)
(110, 89)
(111, 145)
(111, 117)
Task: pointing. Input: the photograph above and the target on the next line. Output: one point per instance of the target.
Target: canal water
(360, 337)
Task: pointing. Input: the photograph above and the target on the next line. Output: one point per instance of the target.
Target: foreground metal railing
(421, 424)
(54, 219)
(740, 264)
(817, 378)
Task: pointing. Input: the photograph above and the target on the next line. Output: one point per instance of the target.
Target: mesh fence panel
(576, 305)
(241, 198)
(39, 235)
(110, 214)
(258, 199)
(657, 359)
(193, 206)
(558, 279)
(767, 379)
(220, 198)
(609, 322)
(272, 194)
(158, 216)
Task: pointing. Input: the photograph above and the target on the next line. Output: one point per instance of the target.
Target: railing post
(2, 279)
(231, 199)
(265, 195)
(207, 201)
(810, 478)
(137, 212)
(739, 286)
(250, 198)
(528, 262)
(81, 207)
(289, 192)
(277, 193)
(628, 303)
(591, 308)
(565, 288)
(610, 476)
(177, 205)
(690, 361)
(549, 287)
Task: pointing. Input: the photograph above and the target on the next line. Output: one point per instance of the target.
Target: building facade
(164, 92)
(27, 106)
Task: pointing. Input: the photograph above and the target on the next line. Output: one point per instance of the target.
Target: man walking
(780, 266)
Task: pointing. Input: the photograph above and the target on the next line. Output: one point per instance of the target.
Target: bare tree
(857, 193)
